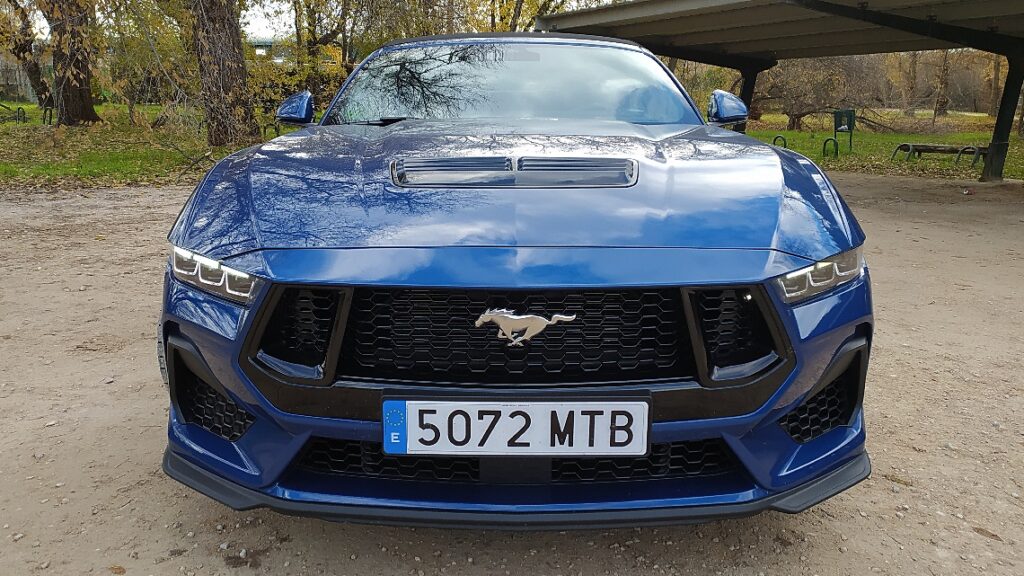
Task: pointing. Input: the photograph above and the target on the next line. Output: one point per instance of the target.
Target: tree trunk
(217, 42)
(941, 88)
(300, 56)
(494, 19)
(22, 49)
(517, 11)
(910, 86)
(72, 75)
(795, 122)
(1020, 123)
(997, 73)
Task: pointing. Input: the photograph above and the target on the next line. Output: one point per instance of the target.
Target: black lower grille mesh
(299, 331)
(368, 459)
(830, 408)
(674, 460)
(203, 406)
(431, 336)
(734, 329)
(670, 460)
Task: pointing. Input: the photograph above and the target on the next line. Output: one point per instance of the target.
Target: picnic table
(976, 152)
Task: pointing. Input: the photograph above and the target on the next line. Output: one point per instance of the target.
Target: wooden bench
(976, 152)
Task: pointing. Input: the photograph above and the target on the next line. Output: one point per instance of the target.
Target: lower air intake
(670, 460)
(827, 410)
(200, 404)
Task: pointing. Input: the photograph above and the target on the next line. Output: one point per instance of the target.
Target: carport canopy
(753, 35)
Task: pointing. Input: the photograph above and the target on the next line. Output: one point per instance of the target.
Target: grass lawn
(106, 154)
(116, 153)
(872, 150)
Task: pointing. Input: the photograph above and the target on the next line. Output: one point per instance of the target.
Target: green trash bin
(844, 121)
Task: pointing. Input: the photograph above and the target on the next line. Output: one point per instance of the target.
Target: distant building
(264, 49)
(14, 84)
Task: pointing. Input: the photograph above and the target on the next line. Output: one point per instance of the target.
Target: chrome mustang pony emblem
(519, 328)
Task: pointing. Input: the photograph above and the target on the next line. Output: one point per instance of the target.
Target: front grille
(828, 409)
(673, 460)
(299, 331)
(199, 404)
(669, 460)
(734, 329)
(368, 459)
(424, 335)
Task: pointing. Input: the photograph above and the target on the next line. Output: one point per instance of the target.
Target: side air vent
(527, 172)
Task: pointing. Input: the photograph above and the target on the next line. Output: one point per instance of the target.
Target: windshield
(513, 81)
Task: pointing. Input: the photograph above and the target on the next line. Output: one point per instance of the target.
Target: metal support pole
(1000, 145)
(747, 91)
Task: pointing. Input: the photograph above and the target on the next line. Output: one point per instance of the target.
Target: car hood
(696, 187)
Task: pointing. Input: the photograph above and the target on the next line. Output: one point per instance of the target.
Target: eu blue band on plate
(394, 427)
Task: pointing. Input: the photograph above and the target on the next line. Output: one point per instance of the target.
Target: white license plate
(515, 428)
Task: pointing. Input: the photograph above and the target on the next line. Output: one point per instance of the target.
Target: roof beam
(630, 12)
(872, 48)
(814, 40)
(981, 39)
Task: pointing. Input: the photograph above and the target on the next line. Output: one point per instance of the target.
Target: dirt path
(83, 415)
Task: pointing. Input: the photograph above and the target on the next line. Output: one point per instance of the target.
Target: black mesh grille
(430, 335)
(674, 460)
(368, 459)
(830, 408)
(734, 329)
(300, 328)
(203, 406)
(670, 460)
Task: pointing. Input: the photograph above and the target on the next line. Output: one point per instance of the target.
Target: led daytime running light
(821, 276)
(212, 276)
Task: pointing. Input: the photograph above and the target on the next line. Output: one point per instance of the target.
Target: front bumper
(777, 473)
(791, 501)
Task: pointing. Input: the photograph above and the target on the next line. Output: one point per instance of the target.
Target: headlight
(213, 277)
(822, 276)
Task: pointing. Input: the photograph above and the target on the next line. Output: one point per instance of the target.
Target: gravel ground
(83, 413)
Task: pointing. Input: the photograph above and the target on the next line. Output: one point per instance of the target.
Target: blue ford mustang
(516, 281)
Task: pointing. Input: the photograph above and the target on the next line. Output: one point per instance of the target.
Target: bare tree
(805, 87)
(217, 43)
(910, 85)
(996, 92)
(942, 88)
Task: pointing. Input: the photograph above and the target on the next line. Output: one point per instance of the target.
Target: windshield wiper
(385, 121)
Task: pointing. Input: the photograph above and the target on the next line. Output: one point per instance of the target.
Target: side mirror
(726, 108)
(296, 109)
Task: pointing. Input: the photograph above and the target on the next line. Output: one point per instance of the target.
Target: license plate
(515, 428)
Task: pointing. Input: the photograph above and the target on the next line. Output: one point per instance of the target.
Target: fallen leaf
(988, 534)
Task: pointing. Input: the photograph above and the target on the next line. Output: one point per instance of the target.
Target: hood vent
(502, 172)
